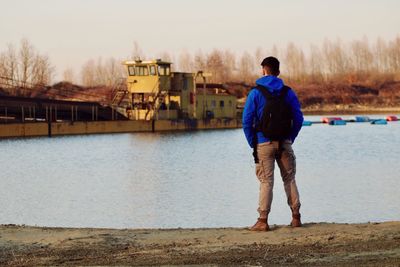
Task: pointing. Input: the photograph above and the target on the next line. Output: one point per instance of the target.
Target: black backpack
(277, 119)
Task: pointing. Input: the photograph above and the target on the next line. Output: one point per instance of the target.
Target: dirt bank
(321, 244)
(349, 110)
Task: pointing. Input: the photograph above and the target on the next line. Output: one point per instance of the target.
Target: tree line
(331, 61)
(24, 67)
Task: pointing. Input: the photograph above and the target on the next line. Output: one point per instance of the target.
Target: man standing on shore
(272, 120)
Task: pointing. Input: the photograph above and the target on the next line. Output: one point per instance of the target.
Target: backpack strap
(268, 95)
(285, 89)
(264, 90)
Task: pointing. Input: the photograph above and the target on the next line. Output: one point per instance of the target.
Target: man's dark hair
(272, 63)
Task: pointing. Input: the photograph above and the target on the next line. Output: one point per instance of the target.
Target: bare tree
(361, 57)
(88, 73)
(275, 51)
(165, 56)
(186, 62)
(24, 67)
(337, 57)
(3, 70)
(259, 54)
(137, 52)
(381, 61)
(114, 71)
(229, 60)
(316, 65)
(100, 75)
(42, 70)
(26, 62)
(246, 67)
(215, 65)
(394, 55)
(69, 75)
(200, 61)
(11, 63)
(294, 62)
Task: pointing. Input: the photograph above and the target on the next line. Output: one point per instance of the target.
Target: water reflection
(195, 179)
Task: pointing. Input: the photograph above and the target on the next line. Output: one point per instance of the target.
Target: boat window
(141, 71)
(221, 103)
(153, 70)
(163, 70)
(131, 70)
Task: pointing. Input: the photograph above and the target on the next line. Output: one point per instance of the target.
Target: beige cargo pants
(265, 173)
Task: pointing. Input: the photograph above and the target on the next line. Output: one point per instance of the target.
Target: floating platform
(362, 119)
(329, 119)
(337, 122)
(357, 119)
(379, 122)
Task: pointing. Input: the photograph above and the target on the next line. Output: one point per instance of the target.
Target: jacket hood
(274, 84)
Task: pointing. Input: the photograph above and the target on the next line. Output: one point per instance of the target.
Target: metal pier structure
(23, 109)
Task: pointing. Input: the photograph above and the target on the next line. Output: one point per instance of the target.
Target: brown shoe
(261, 225)
(296, 222)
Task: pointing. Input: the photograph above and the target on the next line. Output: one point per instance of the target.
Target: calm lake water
(196, 179)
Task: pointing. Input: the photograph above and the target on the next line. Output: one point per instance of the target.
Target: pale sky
(72, 31)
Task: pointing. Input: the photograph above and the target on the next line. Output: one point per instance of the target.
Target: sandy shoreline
(318, 244)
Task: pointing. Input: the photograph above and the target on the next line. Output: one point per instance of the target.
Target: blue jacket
(254, 108)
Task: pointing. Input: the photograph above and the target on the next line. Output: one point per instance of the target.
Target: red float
(392, 118)
(329, 119)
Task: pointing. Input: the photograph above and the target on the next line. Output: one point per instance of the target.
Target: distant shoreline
(345, 110)
(317, 244)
